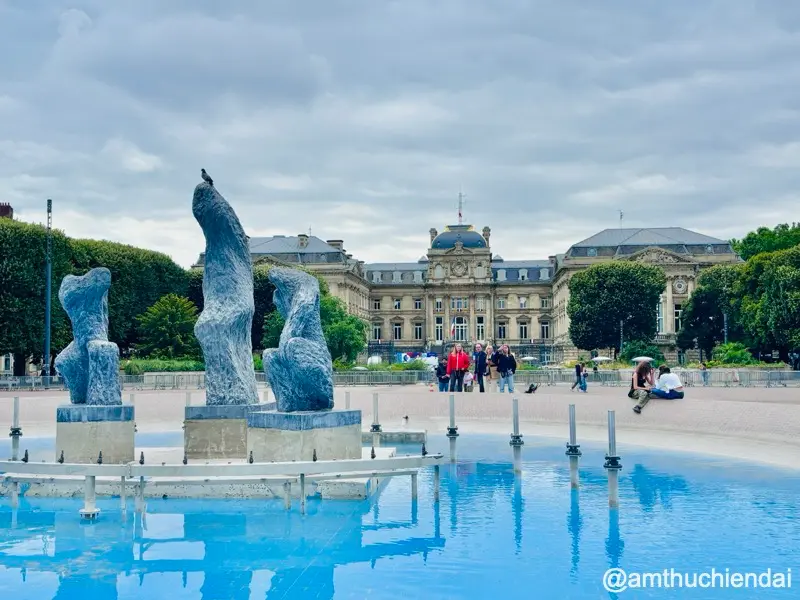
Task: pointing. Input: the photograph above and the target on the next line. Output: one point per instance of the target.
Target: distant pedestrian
(457, 366)
(506, 367)
(584, 376)
(479, 360)
(704, 373)
(491, 370)
(578, 372)
(441, 375)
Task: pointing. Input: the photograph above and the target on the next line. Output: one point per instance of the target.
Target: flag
(453, 328)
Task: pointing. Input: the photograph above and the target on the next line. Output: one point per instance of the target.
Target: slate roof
(409, 266)
(652, 236)
(283, 244)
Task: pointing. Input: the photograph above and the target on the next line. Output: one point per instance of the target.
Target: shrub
(636, 348)
(138, 366)
(732, 353)
(258, 364)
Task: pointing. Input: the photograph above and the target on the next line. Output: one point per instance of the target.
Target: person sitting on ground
(668, 386)
(640, 386)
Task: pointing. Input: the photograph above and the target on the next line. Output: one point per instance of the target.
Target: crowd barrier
(546, 377)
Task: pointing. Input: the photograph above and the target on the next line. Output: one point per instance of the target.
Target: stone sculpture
(223, 328)
(90, 364)
(299, 371)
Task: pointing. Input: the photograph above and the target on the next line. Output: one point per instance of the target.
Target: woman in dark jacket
(442, 376)
(506, 367)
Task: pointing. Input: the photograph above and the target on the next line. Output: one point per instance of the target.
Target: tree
(635, 348)
(263, 291)
(704, 313)
(167, 329)
(605, 294)
(138, 279)
(22, 291)
(763, 239)
(732, 353)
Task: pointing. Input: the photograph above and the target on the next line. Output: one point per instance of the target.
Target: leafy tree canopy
(763, 239)
(635, 348)
(605, 294)
(167, 329)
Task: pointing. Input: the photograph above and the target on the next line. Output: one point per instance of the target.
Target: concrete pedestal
(85, 430)
(275, 436)
(218, 431)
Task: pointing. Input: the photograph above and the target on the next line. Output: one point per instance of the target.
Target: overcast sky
(362, 119)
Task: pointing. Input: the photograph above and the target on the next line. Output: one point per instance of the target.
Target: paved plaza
(756, 424)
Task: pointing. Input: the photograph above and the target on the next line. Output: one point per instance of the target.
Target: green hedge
(137, 366)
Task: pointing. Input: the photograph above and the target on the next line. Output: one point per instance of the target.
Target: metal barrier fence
(194, 381)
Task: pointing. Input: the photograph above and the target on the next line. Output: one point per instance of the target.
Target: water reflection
(652, 487)
(574, 526)
(228, 549)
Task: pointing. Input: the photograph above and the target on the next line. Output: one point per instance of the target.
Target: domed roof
(468, 237)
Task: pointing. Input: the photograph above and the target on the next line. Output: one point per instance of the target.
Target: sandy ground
(752, 424)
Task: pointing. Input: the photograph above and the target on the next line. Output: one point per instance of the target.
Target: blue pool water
(492, 535)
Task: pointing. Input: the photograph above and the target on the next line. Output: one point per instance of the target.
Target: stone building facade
(460, 292)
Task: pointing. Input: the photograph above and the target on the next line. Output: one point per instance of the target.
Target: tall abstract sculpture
(299, 371)
(223, 328)
(90, 364)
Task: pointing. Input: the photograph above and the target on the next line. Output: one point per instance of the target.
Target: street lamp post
(725, 326)
(48, 293)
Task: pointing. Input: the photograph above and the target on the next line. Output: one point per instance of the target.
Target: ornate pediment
(659, 256)
(458, 248)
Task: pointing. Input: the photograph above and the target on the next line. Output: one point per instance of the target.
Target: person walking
(457, 365)
(584, 377)
(479, 360)
(578, 371)
(506, 367)
(441, 375)
(640, 385)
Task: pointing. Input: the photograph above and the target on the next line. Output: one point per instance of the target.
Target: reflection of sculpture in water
(299, 370)
(90, 363)
(652, 487)
(100, 561)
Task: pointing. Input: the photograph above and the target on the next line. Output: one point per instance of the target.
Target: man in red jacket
(457, 365)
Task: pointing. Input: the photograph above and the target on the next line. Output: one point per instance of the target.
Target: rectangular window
(397, 331)
(437, 305)
(544, 329)
(417, 331)
(376, 332)
(523, 331)
(7, 362)
(545, 302)
(501, 303)
(660, 317)
(439, 329)
(417, 303)
(480, 303)
(523, 274)
(501, 331)
(677, 315)
(523, 302)
(376, 304)
(480, 328)
(398, 302)
(459, 303)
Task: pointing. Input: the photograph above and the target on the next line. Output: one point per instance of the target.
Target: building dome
(468, 237)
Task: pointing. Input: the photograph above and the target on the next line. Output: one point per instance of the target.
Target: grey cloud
(362, 118)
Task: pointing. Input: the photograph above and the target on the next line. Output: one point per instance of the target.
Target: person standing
(506, 367)
(584, 377)
(704, 373)
(441, 375)
(491, 371)
(578, 372)
(457, 365)
(479, 360)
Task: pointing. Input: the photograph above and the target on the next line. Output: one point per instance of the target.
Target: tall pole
(48, 276)
(725, 326)
(460, 208)
(620, 335)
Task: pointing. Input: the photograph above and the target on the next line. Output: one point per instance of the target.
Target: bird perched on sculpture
(206, 177)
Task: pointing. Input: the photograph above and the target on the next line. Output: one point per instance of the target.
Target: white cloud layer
(363, 118)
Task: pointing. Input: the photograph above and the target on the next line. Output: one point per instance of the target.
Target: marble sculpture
(223, 328)
(90, 364)
(299, 370)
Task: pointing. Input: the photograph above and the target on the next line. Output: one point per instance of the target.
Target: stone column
(447, 319)
(669, 309)
(472, 334)
(430, 319)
